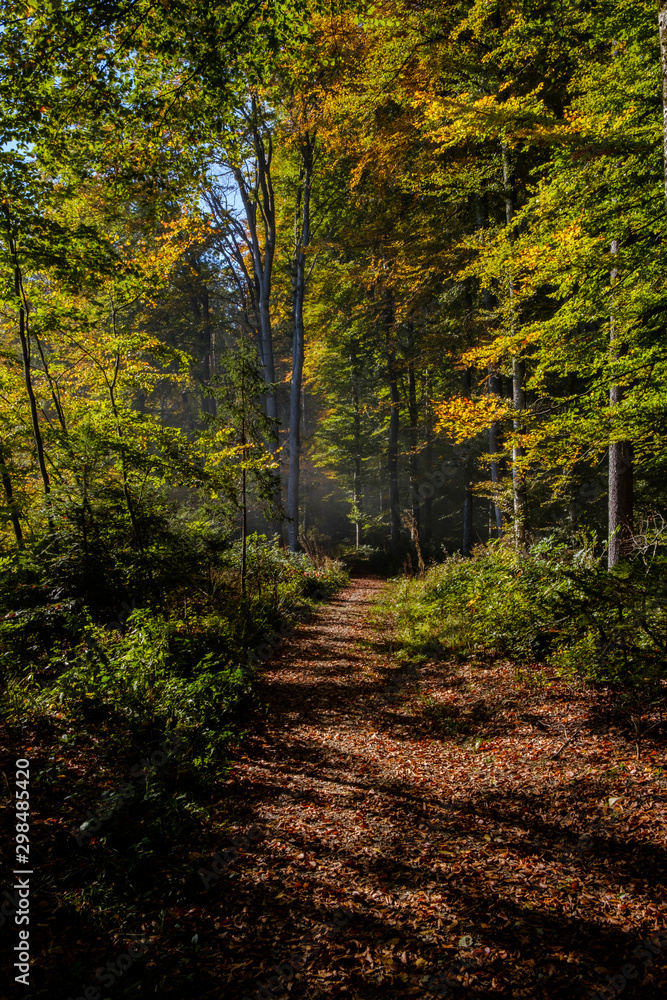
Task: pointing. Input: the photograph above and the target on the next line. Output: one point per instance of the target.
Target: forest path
(393, 862)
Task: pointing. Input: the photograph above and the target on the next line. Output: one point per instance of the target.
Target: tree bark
(468, 495)
(518, 478)
(392, 445)
(662, 27)
(382, 500)
(209, 343)
(620, 499)
(518, 374)
(467, 521)
(413, 413)
(495, 384)
(111, 388)
(244, 513)
(427, 499)
(357, 494)
(259, 207)
(302, 240)
(495, 387)
(621, 476)
(24, 338)
(199, 303)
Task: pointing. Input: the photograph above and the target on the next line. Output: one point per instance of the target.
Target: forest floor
(439, 829)
(401, 829)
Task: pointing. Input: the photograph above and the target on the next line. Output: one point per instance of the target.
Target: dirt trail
(420, 838)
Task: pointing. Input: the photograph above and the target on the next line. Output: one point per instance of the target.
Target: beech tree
(454, 205)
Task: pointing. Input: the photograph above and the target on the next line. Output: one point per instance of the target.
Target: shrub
(176, 668)
(556, 604)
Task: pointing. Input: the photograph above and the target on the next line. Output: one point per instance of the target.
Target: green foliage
(177, 668)
(291, 574)
(555, 605)
(136, 678)
(241, 424)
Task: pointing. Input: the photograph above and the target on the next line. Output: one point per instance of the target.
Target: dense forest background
(289, 283)
(369, 274)
(292, 291)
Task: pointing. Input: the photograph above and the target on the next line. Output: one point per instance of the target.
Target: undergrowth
(555, 606)
(173, 665)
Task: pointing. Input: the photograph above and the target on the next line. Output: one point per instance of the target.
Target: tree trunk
(24, 338)
(621, 499)
(467, 521)
(259, 207)
(209, 346)
(518, 480)
(413, 413)
(495, 384)
(427, 499)
(301, 242)
(111, 388)
(662, 27)
(304, 490)
(518, 391)
(357, 495)
(244, 526)
(392, 445)
(467, 468)
(382, 504)
(495, 387)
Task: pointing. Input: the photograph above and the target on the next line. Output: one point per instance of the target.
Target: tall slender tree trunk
(662, 27)
(24, 338)
(518, 374)
(620, 496)
(357, 494)
(260, 210)
(200, 305)
(382, 500)
(413, 413)
(244, 512)
(111, 388)
(34, 416)
(427, 500)
(495, 387)
(271, 397)
(467, 520)
(392, 444)
(304, 491)
(621, 475)
(209, 345)
(495, 384)
(53, 386)
(302, 226)
(468, 495)
(518, 475)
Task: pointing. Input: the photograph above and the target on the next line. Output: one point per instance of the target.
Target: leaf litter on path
(424, 830)
(477, 855)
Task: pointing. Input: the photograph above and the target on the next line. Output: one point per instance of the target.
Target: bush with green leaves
(555, 604)
(489, 604)
(292, 574)
(176, 667)
(186, 568)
